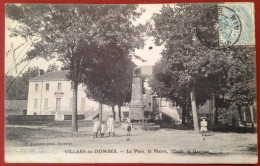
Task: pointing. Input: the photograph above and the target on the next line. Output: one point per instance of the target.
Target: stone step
(149, 126)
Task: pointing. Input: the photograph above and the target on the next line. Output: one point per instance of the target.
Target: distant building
(15, 107)
(51, 94)
(154, 105)
(165, 108)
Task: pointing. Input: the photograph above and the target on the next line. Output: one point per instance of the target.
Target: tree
(31, 72)
(110, 83)
(167, 83)
(241, 82)
(52, 67)
(188, 67)
(64, 31)
(17, 87)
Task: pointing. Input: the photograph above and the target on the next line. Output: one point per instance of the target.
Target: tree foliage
(58, 31)
(52, 67)
(241, 79)
(110, 83)
(77, 35)
(186, 63)
(17, 87)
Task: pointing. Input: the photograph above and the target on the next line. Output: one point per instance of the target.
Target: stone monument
(136, 106)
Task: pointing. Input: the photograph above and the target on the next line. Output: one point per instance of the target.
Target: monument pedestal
(136, 112)
(59, 116)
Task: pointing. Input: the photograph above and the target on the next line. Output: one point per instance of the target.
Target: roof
(62, 75)
(56, 75)
(146, 70)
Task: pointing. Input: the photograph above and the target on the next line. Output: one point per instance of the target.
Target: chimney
(41, 72)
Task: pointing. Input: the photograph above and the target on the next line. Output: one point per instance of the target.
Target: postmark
(218, 27)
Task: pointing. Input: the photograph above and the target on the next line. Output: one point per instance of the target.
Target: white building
(51, 94)
(156, 104)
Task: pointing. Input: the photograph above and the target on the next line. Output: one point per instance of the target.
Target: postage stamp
(219, 27)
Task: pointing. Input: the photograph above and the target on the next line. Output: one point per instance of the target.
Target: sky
(150, 55)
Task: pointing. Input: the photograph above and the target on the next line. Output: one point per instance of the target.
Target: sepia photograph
(130, 83)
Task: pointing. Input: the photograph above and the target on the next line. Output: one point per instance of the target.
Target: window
(172, 104)
(59, 86)
(47, 87)
(35, 105)
(163, 102)
(46, 103)
(36, 87)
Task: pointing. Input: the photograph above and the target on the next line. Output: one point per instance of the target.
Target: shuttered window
(46, 103)
(35, 105)
(47, 87)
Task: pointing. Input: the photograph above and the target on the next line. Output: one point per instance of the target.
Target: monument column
(136, 106)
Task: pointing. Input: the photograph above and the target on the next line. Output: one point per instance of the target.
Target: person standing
(203, 128)
(96, 127)
(128, 126)
(111, 125)
(102, 130)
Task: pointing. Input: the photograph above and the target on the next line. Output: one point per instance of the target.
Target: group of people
(101, 127)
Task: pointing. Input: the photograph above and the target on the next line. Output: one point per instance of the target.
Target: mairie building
(51, 94)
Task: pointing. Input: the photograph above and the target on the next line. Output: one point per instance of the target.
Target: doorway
(58, 104)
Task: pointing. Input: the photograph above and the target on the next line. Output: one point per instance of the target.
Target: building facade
(155, 105)
(51, 94)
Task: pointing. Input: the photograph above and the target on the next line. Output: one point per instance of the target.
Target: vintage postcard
(148, 83)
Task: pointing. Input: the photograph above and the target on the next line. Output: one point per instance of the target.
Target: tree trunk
(240, 114)
(119, 112)
(113, 110)
(213, 119)
(216, 116)
(184, 110)
(244, 116)
(252, 116)
(238, 118)
(194, 111)
(100, 112)
(188, 115)
(74, 124)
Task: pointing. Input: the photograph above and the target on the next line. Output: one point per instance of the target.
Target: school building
(51, 94)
